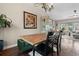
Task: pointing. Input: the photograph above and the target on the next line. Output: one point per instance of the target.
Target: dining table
(34, 39)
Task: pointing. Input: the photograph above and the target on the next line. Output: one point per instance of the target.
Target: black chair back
(56, 40)
(56, 37)
(48, 44)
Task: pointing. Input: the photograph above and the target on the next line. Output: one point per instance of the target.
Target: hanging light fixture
(45, 6)
(75, 13)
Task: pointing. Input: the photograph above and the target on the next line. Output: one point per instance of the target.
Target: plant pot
(1, 45)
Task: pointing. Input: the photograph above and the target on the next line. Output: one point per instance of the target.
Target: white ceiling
(60, 11)
(63, 10)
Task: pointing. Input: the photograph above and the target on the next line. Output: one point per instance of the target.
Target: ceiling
(62, 11)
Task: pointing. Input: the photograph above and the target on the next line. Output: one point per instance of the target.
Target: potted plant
(4, 22)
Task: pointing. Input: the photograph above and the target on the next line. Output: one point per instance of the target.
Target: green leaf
(3, 21)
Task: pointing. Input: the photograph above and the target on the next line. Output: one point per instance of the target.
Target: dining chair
(44, 47)
(23, 46)
(56, 39)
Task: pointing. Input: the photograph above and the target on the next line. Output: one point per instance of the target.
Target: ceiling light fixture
(45, 6)
(75, 13)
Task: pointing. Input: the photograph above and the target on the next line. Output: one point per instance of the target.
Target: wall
(15, 13)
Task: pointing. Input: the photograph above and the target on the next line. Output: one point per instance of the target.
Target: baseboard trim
(7, 47)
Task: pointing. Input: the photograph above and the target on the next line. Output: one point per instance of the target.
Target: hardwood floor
(13, 52)
(69, 48)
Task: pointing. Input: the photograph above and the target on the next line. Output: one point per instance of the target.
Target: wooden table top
(34, 38)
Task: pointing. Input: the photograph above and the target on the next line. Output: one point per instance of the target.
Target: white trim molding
(7, 47)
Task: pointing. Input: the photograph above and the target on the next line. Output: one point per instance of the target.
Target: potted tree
(4, 22)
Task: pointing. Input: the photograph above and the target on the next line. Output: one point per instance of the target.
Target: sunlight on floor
(69, 47)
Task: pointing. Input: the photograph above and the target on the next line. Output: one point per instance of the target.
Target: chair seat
(41, 48)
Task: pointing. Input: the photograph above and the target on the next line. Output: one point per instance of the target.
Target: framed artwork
(30, 20)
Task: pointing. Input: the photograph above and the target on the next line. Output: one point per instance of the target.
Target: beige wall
(15, 12)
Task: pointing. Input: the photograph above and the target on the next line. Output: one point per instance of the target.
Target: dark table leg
(33, 50)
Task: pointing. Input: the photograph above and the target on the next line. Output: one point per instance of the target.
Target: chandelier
(45, 6)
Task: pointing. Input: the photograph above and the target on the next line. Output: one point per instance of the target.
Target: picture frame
(30, 20)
